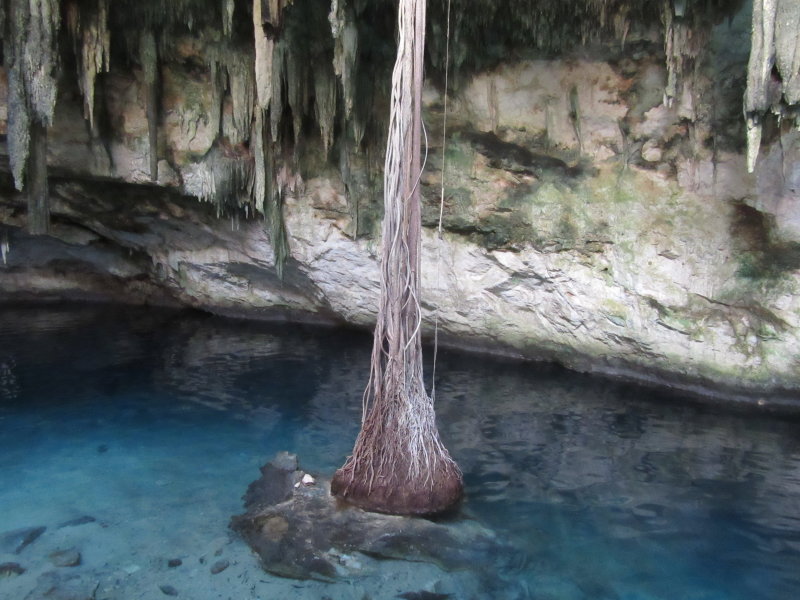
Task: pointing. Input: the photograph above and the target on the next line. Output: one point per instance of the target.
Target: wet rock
(54, 585)
(174, 562)
(66, 558)
(302, 535)
(10, 569)
(285, 461)
(219, 566)
(17, 540)
(77, 521)
(276, 482)
(168, 590)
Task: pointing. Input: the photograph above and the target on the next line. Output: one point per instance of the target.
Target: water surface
(153, 423)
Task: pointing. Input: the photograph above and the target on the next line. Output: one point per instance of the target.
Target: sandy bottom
(158, 490)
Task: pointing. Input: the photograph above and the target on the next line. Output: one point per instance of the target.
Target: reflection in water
(611, 491)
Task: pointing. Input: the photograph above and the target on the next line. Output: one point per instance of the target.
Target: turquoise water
(154, 422)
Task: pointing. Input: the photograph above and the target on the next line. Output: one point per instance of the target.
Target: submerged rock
(278, 478)
(17, 540)
(10, 569)
(304, 533)
(219, 566)
(54, 585)
(85, 519)
(66, 558)
(423, 595)
(168, 590)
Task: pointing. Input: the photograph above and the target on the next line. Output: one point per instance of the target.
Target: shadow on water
(609, 490)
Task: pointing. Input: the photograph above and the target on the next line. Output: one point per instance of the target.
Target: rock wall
(587, 216)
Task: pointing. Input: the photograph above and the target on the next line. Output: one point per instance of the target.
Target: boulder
(302, 532)
(17, 540)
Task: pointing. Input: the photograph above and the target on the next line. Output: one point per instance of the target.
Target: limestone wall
(587, 217)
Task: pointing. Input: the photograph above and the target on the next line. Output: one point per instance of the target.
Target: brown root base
(411, 498)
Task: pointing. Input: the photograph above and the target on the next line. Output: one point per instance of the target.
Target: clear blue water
(154, 422)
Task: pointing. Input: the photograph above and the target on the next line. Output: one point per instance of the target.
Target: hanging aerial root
(399, 465)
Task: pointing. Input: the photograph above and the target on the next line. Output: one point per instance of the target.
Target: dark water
(154, 423)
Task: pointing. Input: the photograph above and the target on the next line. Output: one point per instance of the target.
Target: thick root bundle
(399, 465)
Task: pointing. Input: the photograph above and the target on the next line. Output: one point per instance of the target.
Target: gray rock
(55, 585)
(285, 461)
(17, 540)
(220, 566)
(66, 558)
(174, 562)
(306, 535)
(77, 521)
(10, 569)
(168, 590)
(276, 483)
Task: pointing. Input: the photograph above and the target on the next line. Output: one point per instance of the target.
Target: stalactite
(217, 94)
(228, 7)
(264, 46)
(198, 181)
(232, 67)
(787, 49)
(268, 188)
(242, 89)
(775, 43)
(31, 57)
(88, 27)
(278, 84)
(223, 177)
(19, 126)
(261, 177)
(232, 174)
(277, 224)
(684, 40)
(345, 52)
(148, 57)
(325, 102)
(297, 73)
(36, 182)
(166, 14)
(272, 12)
